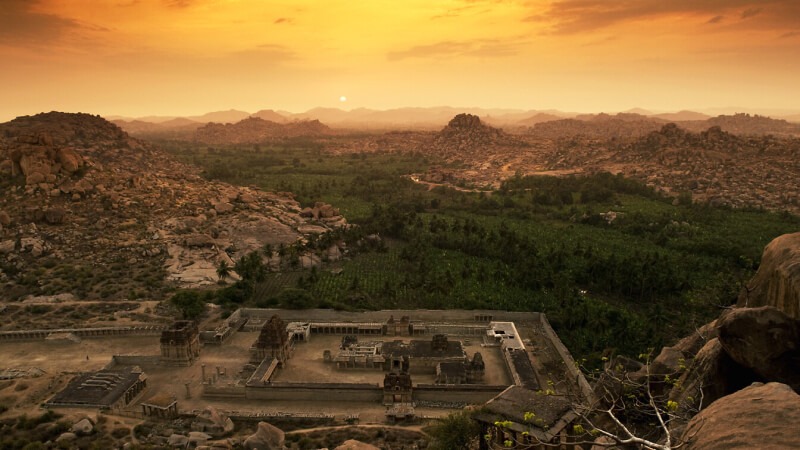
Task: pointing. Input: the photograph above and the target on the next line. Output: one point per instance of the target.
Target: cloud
(285, 20)
(578, 16)
(21, 24)
(716, 19)
(483, 48)
(750, 12)
(790, 34)
(180, 3)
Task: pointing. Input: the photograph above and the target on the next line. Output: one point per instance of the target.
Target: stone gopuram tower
(273, 341)
(397, 388)
(180, 344)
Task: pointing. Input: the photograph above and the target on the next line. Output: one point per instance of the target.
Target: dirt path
(416, 428)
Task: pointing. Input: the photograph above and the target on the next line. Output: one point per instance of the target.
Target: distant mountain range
(428, 118)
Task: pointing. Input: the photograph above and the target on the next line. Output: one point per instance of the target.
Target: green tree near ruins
(189, 303)
(456, 431)
(294, 298)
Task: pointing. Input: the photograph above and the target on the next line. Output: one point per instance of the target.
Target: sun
(343, 99)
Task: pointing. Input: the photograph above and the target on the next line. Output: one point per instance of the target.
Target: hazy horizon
(137, 58)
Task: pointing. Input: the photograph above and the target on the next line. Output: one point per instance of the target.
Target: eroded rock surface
(762, 416)
(765, 340)
(777, 282)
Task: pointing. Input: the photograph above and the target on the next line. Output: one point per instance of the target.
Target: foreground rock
(777, 282)
(266, 437)
(764, 340)
(762, 416)
(353, 444)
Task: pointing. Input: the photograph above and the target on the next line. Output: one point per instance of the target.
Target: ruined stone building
(423, 356)
(103, 389)
(180, 344)
(273, 341)
(397, 388)
(461, 372)
(527, 419)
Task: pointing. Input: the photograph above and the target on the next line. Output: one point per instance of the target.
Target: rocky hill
(601, 126)
(174, 128)
(87, 210)
(255, 130)
(746, 124)
(466, 135)
(715, 165)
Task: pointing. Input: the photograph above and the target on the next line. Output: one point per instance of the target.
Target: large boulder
(55, 216)
(82, 427)
(762, 416)
(765, 340)
(266, 437)
(777, 282)
(69, 159)
(7, 247)
(352, 444)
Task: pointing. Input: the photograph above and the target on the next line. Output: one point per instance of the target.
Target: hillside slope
(85, 209)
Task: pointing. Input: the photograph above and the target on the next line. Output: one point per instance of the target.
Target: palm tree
(223, 271)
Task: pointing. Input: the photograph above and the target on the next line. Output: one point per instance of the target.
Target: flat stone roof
(97, 389)
(524, 368)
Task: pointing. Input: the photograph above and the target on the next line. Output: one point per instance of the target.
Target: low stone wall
(134, 360)
(320, 392)
(224, 391)
(33, 335)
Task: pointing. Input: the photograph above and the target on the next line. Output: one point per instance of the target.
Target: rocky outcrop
(762, 416)
(777, 282)
(466, 134)
(266, 437)
(764, 340)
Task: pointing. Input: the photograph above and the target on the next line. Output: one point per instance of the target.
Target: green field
(638, 280)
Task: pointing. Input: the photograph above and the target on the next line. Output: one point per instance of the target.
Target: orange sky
(183, 57)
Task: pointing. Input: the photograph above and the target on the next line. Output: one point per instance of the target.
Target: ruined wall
(32, 335)
(473, 394)
(224, 391)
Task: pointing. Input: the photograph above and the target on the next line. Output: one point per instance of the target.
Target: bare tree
(631, 411)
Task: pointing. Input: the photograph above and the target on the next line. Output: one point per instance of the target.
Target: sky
(187, 57)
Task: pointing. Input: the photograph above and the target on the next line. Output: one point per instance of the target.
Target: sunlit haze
(183, 57)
